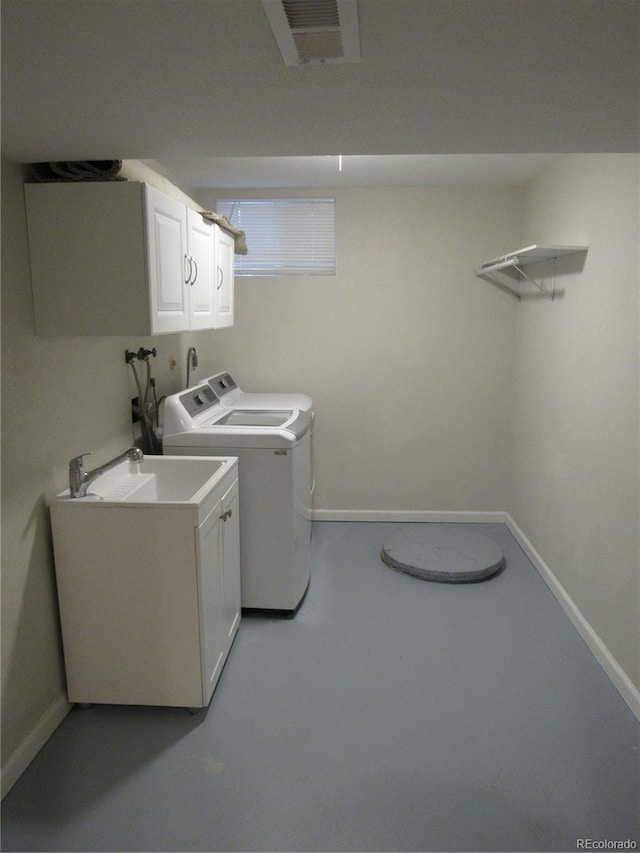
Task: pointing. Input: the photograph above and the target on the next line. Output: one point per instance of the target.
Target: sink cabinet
(149, 595)
(124, 258)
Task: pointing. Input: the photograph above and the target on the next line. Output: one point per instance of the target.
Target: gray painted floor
(391, 714)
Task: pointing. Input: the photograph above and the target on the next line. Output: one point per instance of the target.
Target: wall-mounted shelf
(523, 257)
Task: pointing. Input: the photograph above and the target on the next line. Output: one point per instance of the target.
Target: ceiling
(355, 171)
(196, 84)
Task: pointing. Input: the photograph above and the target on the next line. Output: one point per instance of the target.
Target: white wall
(406, 353)
(60, 397)
(575, 463)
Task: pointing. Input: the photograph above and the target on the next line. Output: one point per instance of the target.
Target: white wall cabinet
(123, 258)
(149, 615)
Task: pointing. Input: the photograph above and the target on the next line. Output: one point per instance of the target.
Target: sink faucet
(79, 479)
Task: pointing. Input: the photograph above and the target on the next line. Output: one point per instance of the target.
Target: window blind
(285, 236)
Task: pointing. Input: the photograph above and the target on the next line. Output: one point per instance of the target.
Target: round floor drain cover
(448, 556)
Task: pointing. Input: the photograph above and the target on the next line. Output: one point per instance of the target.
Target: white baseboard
(408, 515)
(24, 754)
(618, 676)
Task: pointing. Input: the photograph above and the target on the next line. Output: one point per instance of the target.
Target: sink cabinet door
(218, 549)
(212, 634)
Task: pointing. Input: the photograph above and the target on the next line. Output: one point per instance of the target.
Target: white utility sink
(148, 578)
(157, 480)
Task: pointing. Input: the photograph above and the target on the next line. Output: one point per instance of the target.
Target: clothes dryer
(233, 397)
(273, 447)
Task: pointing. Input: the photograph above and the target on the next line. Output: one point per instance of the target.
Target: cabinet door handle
(221, 277)
(225, 515)
(195, 267)
(187, 269)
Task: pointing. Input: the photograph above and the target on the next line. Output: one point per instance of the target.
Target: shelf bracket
(539, 284)
(487, 272)
(514, 263)
(499, 283)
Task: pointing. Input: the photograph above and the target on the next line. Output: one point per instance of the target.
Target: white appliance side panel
(266, 536)
(129, 606)
(302, 510)
(303, 477)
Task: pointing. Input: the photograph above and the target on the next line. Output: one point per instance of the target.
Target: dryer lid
(255, 417)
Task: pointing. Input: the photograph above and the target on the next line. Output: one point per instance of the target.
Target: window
(285, 236)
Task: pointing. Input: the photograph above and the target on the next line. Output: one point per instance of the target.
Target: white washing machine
(273, 447)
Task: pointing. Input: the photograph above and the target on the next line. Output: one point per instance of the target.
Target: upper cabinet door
(169, 269)
(200, 270)
(225, 246)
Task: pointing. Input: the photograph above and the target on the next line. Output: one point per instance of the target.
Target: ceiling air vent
(315, 31)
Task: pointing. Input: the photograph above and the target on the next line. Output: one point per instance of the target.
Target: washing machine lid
(255, 417)
(255, 427)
